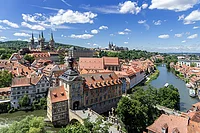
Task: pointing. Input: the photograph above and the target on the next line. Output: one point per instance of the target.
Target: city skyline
(152, 25)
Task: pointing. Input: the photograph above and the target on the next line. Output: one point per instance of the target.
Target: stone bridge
(80, 115)
(168, 110)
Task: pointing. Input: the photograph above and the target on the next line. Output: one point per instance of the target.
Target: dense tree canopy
(99, 126)
(5, 79)
(170, 58)
(137, 111)
(29, 58)
(131, 54)
(30, 124)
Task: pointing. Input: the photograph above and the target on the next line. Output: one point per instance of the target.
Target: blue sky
(152, 25)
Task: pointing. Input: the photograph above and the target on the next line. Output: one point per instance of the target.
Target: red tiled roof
(172, 121)
(58, 94)
(91, 63)
(96, 80)
(113, 61)
(5, 89)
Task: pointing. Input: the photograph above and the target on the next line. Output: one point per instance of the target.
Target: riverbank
(166, 76)
(152, 77)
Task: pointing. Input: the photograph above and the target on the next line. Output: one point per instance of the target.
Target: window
(42, 85)
(105, 96)
(86, 102)
(86, 93)
(96, 100)
(91, 100)
(100, 99)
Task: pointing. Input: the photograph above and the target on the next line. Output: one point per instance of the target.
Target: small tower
(73, 84)
(51, 42)
(42, 41)
(32, 43)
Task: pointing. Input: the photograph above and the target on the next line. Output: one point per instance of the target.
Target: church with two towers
(41, 45)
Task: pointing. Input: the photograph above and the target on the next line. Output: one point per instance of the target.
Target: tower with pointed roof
(73, 84)
(51, 42)
(42, 41)
(32, 43)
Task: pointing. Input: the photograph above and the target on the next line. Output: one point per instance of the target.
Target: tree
(29, 58)
(24, 101)
(138, 110)
(5, 79)
(76, 128)
(30, 124)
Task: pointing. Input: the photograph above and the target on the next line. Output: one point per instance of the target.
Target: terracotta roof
(16, 55)
(40, 55)
(20, 70)
(96, 80)
(5, 89)
(114, 61)
(194, 127)
(172, 121)
(58, 94)
(91, 63)
(26, 81)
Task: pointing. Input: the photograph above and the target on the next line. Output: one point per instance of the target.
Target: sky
(152, 25)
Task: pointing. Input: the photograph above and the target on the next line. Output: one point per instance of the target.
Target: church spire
(51, 38)
(42, 35)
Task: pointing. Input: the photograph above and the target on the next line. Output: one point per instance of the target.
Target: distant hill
(16, 45)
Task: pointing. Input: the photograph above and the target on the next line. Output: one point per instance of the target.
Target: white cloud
(129, 7)
(127, 30)
(11, 24)
(193, 36)
(183, 41)
(28, 17)
(22, 34)
(103, 27)
(144, 6)
(187, 33)
(178, 35)
(125, 42)
(164, 36)
(94, 31)
(175, 5)
(122, 33)
(95, 44)
(181, 17)
(84, 36)
(157, 22)
(33, 27)
(112, 35)
(141, 21)
(70, 16)
(19, 39)
(195, 27)
(192, 17)
(3, 28)
(3, 38)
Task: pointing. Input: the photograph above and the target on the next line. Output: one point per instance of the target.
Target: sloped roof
(111, 61)
(58, 94)
(91, 63)
(172, 121)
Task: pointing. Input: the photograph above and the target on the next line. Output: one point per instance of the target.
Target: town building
(169, 124)
(35, 86)
(76, 52)
(57, 106)
(113, 47)
(186, 62)
(98, 91)
(5, 93)
(110, 63)
(41, 45)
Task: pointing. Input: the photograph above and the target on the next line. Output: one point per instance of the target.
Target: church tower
(51, 42)
(73, 84)
(32, 43)
(42, 41)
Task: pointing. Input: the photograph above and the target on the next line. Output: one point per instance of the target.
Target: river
(166, 76)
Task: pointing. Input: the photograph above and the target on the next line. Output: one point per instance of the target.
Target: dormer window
(92, 77)
(55, 94)
(62, 93)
